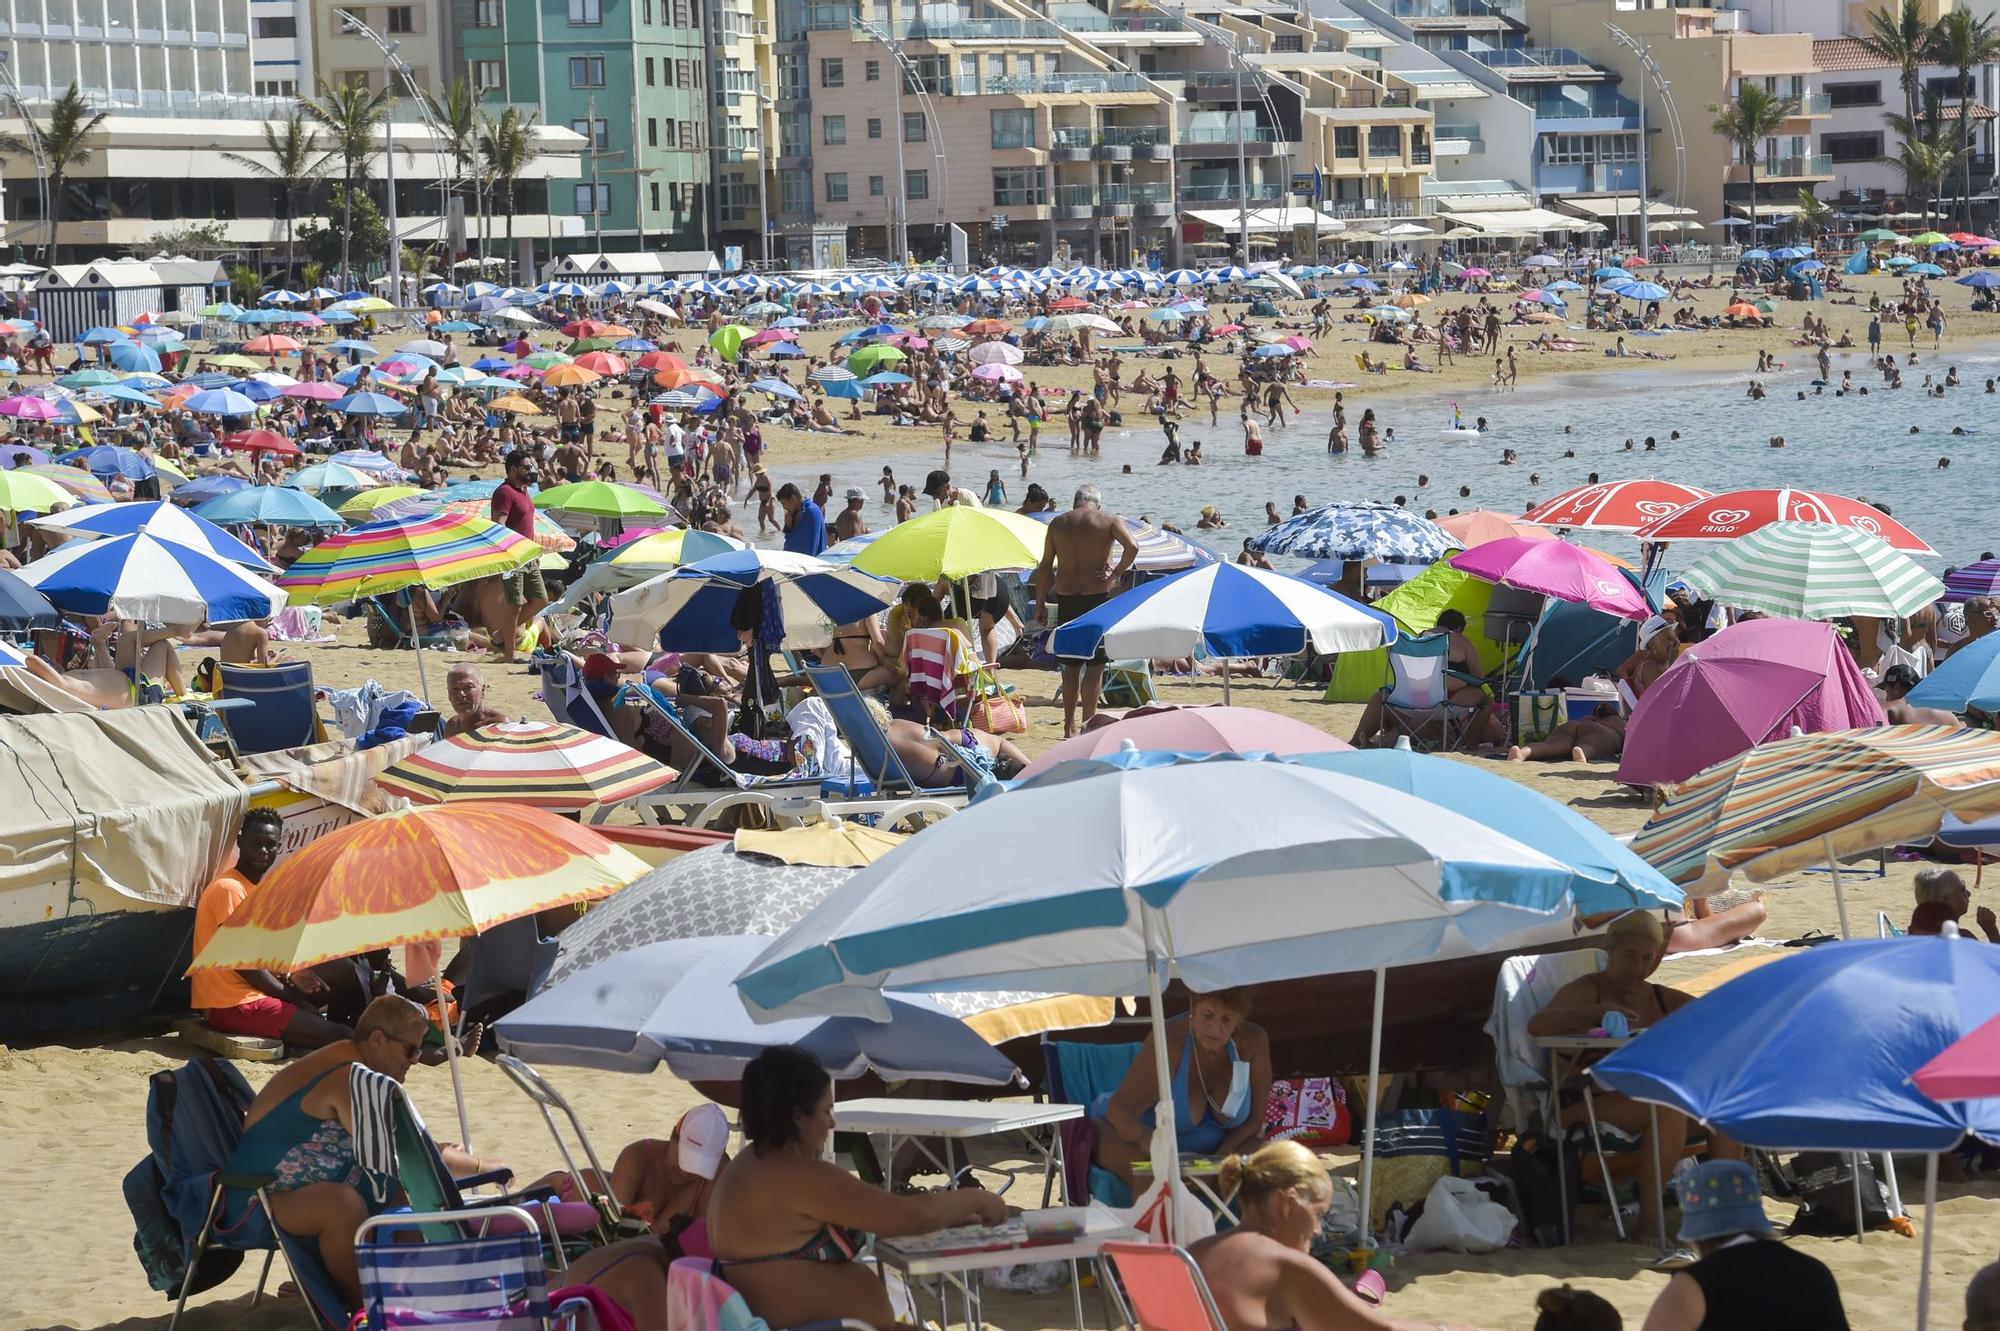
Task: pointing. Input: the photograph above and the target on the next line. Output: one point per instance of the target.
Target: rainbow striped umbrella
(75, 480)
(1810, 799)
(543, 763)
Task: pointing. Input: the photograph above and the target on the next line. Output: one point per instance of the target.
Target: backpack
(1824, 1182)
(194, 1120)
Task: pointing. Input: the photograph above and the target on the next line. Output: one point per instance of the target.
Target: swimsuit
(832, 1245)
(1201, 1136)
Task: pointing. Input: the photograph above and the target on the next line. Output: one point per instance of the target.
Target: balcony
(1458, 140)
(1815, 104)
(1230, 134)
(1454, 9)
(976, 30)
(1370, 98)
(832, 17)
(1088, 23)
(1073, 202)
(1230, 193)
(1070, 143)
(1526, 63)
(1597, 104)
(1420, 155)
(1044, 85)
(1816, 166)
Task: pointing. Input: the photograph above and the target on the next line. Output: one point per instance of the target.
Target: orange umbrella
(989, 328)
(1483, 524)
(272, 344)
(1743, 309)
(661, 360)
(571, 375)
(514, 402)
(683, 377)
(582, 328)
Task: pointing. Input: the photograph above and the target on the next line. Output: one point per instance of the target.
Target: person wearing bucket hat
(1745, 1279)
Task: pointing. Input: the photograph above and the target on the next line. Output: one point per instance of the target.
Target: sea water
(1851, 445)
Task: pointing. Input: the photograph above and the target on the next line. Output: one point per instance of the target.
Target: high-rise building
(742, 70)
(281, 48)
(422, 31)
(632, 77)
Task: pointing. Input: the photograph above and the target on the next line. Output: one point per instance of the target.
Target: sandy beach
(72, 1113)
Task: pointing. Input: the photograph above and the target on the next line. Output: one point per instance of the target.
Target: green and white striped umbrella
(1813, 570)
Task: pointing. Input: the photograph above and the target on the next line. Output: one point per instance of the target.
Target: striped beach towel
(372, 1098)
(937, 661)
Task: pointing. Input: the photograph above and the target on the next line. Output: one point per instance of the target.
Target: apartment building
(743, 125)
(633, 78)
(1861, 89)
(423, 33)
(281, 48)
(147, 55)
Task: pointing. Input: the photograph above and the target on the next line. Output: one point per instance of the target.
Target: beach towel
(299, 624)
(336, 772)
(194, 1119)
(813, 725)
(358, 711)
(936, 659)
(372, 1100)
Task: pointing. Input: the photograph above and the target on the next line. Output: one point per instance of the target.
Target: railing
(1815, 104)
(831, 17)
(1230, 193)
(1132, 136)
(1070, 136)
(1600, 104)
(1229, 134)
(1219, 78)
(1118, 23)
(1450, 9)
(975, 30)
(1365, 98)
(1540, 57)
(1115, 194)
(1146, 193)
(1420, 156)
(1073, 196)
(131, 102)
(1031, 84)
(1815, 164)
(1456, 132)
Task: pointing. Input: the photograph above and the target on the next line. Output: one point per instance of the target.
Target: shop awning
(1625, 206)
(1524, 220)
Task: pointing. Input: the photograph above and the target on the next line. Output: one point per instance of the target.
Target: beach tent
(1416, 606)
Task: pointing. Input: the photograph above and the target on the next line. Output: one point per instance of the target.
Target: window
(277, 88)
(648, 18)
(794, 192)
(836, 187)
(832, 73)
(874, 127)
(996, 67)
(1346, 141)
(654, 195)
(1852, 147)
(599, 140)
(402, 18)
(285, 26)
(1584, 149)
(673, 134)
(652, 135)
(1385, 140)
(916, 184)
(486, 14)
(1949, 88)
(592, 198)
(915, 127)
(1020, 185)
(1854, 94)
(792, 134)
(586, 13)
(875, 187)
(486, 75)
(357, 79)
(1013, 129)
(649, 72)
(683, 74)
(833, 129)
(586, 71)
(680, 13)
(872, 71)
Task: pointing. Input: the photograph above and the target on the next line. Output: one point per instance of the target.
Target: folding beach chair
(569, 698)
(282, 715)
(1076, 1073)
(475, 1270)
(875, 758)
(1159, 1288)
(592, 1179)
(1420, 688)
(701, 805)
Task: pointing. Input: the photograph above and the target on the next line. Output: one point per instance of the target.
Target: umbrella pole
(457, 1085)
(1930, 1226)
(417, 642)
(1225, 681)
(1374, 1088)
(1839, 886)
(1169, 1170)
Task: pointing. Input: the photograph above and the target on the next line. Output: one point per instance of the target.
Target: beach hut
(638, 266)
(109, 292)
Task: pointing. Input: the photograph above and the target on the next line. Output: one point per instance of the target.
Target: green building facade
(631, 77)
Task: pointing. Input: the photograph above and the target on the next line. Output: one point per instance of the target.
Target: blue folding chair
(568, 696)
(282, 714)
(1076, 1073)
(487, 1276)
(875, 758)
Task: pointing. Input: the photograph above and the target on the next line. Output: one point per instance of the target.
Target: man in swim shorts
(1076, 576)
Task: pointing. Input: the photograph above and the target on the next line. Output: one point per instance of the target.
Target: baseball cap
(936, 481)
(703, 1132)
(1903, 674)
(1720, 1198)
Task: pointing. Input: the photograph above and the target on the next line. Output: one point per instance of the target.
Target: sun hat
(1657, 624)
(854, 493)
(703, 1132)
(1720, 1198)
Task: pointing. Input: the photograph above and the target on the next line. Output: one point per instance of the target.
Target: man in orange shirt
(256, 1002)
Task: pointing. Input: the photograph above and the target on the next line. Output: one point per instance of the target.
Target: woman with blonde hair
(1261, 1273)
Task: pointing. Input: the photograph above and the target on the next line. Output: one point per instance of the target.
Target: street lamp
(13, 90)
(393, 70)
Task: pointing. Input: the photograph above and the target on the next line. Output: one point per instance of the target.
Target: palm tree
(457, 115)
(1925, 157)
(1746, 122)
(350, 115)
(61, 141)
(292, 158)
(1965, 41)
(506, 148)
(1902, 37)
(1813, 216)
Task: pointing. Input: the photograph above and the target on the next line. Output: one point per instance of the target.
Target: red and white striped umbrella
(1616, 506)
(1726, 516)
(540, 763)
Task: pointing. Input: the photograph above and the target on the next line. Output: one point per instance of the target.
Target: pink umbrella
(397, 367)
(914, 341)
(997, 353)
(30, 408)
(1726, 516)
(314, 392)
(1210, 729)
(523, 371)
(1477, 272)
(629, 535)
(1751, 682)
(1555, 568)
(1480, 525)
(1297, 343)
(997, 373)
(1967, 1070)
(770, 335)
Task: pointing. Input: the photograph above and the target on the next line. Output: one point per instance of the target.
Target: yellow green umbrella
(1930, 238)
(234, 362)
(600, 499)
(25, 492)
(728, 339)
(869, 358)
(954, 543)
(369, 500)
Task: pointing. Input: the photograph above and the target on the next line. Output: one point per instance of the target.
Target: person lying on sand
(1587, 739)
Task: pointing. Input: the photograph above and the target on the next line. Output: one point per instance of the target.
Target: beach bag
(1536, 715)
(995, 710)
(1414, 1148)
(1458, 1216)
(1825, 1184)
(1545, 1188)
(1309, 1110)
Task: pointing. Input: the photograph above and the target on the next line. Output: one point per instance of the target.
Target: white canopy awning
(1524, 220)
(1624, 206)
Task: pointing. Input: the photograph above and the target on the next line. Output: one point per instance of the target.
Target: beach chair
(1159, 1288)
(591, 1178)
(774, 796)
(475, 1268)
(509, 960)
(1128, 684)
(283, 714)
(1420, 688)
(875, 758)
(1075, 1073)
(569, 698)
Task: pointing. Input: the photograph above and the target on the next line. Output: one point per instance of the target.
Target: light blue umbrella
(1642, 291)
(1807, 266)
(1923, 270)
(1271, 350)
(369, 404)
(340, 316)
(123, 393)
(354, 344)
(221, 402)
(1754, 254)
(274, 505)
(777, 388)
(107, 460)
(132, 356)
(670, 1002)
(886, 379)
(1357, 531)
(1969, 677)
(264, 317)
(100, 336)
(167, 521)
(1604, 274)
(204, 488)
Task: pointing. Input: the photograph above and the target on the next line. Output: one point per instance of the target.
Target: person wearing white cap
(849, 522)
(1659, 646)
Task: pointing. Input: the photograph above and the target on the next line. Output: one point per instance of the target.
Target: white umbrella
(1231, 872)
(1071, 323)
(997, 353)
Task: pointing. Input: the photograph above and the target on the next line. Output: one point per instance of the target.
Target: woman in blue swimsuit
(1221, 1068)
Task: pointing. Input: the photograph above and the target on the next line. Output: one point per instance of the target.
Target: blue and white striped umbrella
(169, 522)
(143, 577)
(691, 609)
(1349, 269)
(1228, 611)
(563, 289)
(369, 404)
(365, 459)
(1357, 531)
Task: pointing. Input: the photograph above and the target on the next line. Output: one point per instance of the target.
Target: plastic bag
(1461, 1218)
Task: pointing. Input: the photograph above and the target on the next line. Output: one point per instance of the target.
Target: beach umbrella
(78, 483)
(1557, 568)
(1984, 279)
(1804, 570)
(441, 550)
(1878, 236)
(1642, 291)
(368, 459)
(411, 875)
(358, 507)
(602, 362)
(869, 357)
(777, 388)
(728, 340)
(22, 607)
(541, 763)
(671, 1002)
(1734, 513)
(995, 373)
(21, 455)
(1806, 799)
(272, 505)
(691, 608)
(273, 344)
(1225, 611)
(1923, 270)
(324, 476)
(142, 576)
(1752, 1060)
(1357, 531)
(212, 486)
(1480, 525)
(1968, 1069)
(135, 357)
(1612, 273)
(646, 557)
(29, 408)
(1753, 682)
(996, 353)
(159, 518)
(1230, 872)
(571, 375)
(369, 404)
(106, 460)
(955, 543)
(1613, 506)
(24, 491)
(600, 499)
(1214, 728)
(515, 403)
(221, 402)
(260, 441)
(1966, 679)
(312, 392)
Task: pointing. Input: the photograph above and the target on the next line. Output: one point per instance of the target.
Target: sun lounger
(776, 796)
(875, 758)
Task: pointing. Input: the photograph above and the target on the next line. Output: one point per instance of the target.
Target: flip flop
(1370, 1288)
